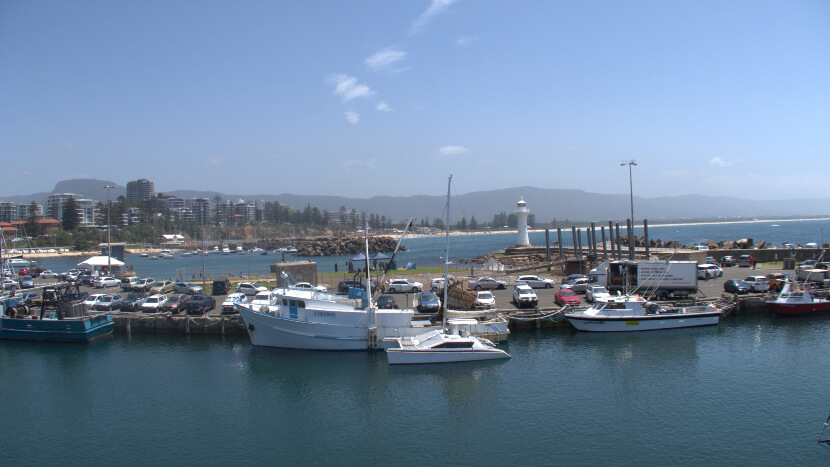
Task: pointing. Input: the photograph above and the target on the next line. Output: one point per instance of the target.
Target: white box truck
(658, 279)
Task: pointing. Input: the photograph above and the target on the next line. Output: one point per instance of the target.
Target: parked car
(744, 261)
(708, 271)
(437, 284)
(175, 303)
(597, 293)
(133, 301)
(221, 286)
(128, 283)
(736, 286)
(187, 288)
(26, 282)
(343, 286)
(428, 302)
(728, 261)
(153, 303)
(403, 285)
(69, 275)
(28, 298)
(231, 300)
(310, 286)
(250, 288)
(105, 281)
(485, 299)
(144, 284)
(109, 302)
(777, 280)
(199, 304)
(535, 282)
(757, 283)
(577, 285)
(487, 283)
(47, 274)
(9, 284)
(92, 300)
(566, 297)
(264, 298)
(86, 278)
(387, 302)
(524, 296)
(162, 287)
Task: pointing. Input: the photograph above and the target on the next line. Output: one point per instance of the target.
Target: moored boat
(798, 300)
(630, 313)
(444, 346)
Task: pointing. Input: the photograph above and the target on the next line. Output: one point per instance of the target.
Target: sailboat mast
(447, 258)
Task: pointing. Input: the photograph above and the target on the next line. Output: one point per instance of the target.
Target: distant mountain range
(546, 203)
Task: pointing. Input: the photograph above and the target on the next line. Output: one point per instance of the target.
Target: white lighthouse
(522, 212)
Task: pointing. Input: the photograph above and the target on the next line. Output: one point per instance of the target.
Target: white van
(700, 248)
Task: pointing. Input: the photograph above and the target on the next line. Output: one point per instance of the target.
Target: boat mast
(447, 258)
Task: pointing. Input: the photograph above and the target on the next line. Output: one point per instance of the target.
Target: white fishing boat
(634, 313)
(452, 343)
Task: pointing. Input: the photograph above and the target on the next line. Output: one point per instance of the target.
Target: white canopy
(100, 261)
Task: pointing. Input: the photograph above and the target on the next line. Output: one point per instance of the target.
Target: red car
(566, 297)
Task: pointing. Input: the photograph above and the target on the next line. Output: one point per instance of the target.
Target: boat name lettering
(329, 314)
(632, 323)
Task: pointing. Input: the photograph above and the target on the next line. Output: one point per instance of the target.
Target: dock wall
(166, 324)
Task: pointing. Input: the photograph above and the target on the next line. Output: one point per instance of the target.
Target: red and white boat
(795, 300)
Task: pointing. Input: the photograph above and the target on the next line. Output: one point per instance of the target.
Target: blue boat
(59, 319)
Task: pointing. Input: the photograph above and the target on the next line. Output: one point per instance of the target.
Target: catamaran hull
(643, 323)
(68, 330)
(407, 356)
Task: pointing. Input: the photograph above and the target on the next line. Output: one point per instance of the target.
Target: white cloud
(464, 41)
(383, 107)
(435, 8)
(348, 88)
(358, 164)
(718, 161)
(385, 58)
(453, 150)
(353, 117)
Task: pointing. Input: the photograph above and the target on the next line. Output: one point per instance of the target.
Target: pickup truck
(199, 304)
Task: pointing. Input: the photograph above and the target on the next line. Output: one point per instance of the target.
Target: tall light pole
(631, 194)
(109, 231)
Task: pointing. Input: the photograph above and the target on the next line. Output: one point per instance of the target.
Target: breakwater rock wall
(333, 246)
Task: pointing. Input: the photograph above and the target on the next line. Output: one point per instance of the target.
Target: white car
(535, 282)
(264, 298)
(486, 283)
(597, 293)
(153, 303)
(309, 286)
(47, 274)
(101, 282)
(757, 283)
(523, 295)
(250, 288)
(485, 300)
(233, 299)
(708, 271)
(577, 285)
(92, 300)
(403, 285)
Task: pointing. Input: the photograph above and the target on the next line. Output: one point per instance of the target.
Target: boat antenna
(447, 258)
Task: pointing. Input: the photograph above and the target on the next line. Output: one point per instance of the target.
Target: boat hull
(793, 309)
(67, 330)
(410, 357)
(643, 323)
(272, 331)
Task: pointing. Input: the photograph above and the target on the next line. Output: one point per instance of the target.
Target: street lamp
(631, 194)
(109, 231)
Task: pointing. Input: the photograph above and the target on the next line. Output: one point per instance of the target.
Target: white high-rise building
(521, 213)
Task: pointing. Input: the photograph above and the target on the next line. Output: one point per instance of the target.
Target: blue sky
(365, 98)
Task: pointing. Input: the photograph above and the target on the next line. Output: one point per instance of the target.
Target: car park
(487, 283)
(310, 286)
(187, 288)
(597, 293)
(757, 283)
(485, 299)
(403, 285)
(577, 285)
(26, 282)
(162, 287)
(524, 296)
(109, 302)
(91, 300)
(343, 286)
(175, 303)
(228, 306)
(153, 303)
(199, 304)
(386, 302)
(105, 281)
(566, 297)
(47, 274)
(535, 282)
(250, 288)
(428, 302)
(736, 286)
(708, 271)
(133, 301)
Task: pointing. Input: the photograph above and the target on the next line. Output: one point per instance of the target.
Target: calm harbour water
(749, 391)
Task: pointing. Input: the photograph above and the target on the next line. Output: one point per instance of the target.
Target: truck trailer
(653, 279)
